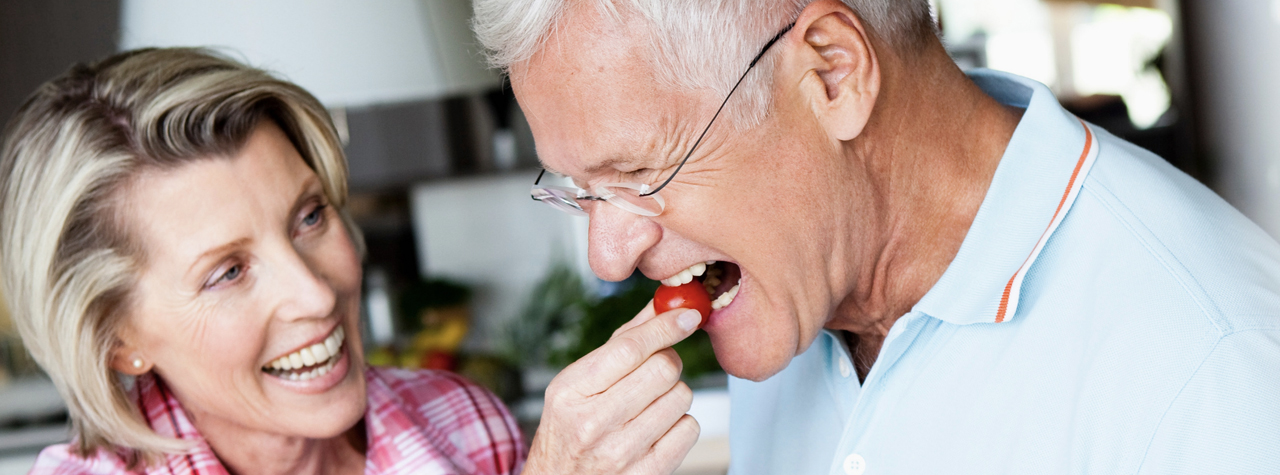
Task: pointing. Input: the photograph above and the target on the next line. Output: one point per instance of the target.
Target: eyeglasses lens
(563, 200)
(629, 199)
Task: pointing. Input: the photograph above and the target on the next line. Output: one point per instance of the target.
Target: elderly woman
(178, 260)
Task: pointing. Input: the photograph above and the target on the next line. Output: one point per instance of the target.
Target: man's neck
(931, 150)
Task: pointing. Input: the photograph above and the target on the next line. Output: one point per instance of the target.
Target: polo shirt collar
(1034, 186)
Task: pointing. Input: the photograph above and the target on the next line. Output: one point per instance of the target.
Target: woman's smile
(314, 367)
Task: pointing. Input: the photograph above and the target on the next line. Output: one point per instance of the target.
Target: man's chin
(750, 363)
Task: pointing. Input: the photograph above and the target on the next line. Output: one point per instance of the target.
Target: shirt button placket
(841, 361)
(854, 464)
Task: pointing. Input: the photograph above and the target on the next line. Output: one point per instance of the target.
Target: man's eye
(638, 175)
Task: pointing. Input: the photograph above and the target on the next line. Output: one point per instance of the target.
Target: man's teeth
(687, 275)
(725, 299)
(324, 354)
(710, 282)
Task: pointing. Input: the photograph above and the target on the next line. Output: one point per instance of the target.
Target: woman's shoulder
(60, 460)
(455, 417)
(425, 385)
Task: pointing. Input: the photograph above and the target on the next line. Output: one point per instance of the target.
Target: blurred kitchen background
(466, 273)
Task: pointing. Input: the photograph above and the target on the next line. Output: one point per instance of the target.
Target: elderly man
(916, 271)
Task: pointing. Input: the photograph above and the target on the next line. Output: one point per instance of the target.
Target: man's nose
(616, 241)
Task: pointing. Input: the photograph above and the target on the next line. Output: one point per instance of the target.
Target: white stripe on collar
(1013, 290)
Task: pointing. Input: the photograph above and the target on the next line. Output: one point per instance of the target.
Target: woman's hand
(621, 408)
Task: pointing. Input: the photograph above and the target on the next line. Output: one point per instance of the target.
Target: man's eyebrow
(611, 162)
(596, 168)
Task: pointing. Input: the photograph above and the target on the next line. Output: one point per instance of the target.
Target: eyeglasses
(635, 197)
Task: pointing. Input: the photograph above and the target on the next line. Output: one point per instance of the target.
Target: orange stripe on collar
(1013, 290)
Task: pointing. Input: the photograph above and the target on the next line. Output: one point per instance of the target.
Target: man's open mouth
(719, 279)
(310, 362)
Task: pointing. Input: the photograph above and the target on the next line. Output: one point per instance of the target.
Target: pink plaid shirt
(418, 422)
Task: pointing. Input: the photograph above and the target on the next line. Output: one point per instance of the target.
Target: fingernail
(689, 320)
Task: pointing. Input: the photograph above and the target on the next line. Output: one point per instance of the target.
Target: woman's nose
(302, 291)
(617, 239)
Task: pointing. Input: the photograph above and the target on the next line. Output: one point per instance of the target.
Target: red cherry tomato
(690, 295)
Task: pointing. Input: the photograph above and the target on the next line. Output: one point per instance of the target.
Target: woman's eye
(312, 218)
(230, 275)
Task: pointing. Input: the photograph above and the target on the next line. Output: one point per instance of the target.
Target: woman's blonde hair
(68, 266)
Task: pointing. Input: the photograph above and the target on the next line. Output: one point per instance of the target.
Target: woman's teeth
(310, 362)
(687, 275)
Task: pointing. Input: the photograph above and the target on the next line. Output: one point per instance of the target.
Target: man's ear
(842, 77)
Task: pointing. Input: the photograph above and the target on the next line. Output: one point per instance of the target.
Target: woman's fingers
(641, 389)
(661, 416)
(608, 364)
(638, 437)
(669, 451)
(610, 411)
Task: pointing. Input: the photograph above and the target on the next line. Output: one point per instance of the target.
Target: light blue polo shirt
(1105, 314)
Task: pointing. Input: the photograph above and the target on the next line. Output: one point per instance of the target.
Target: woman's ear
(842, 77)
(128, 360)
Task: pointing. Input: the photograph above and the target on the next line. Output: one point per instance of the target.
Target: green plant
(557, 302)
(562, 322)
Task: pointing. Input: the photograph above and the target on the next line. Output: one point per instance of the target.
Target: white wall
(487, 232)
(1238, 72)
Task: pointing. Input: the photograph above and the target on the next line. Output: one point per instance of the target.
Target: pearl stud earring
(137, 363)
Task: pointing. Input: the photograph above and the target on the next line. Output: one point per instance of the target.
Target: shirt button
(845, 368)
(854, 465)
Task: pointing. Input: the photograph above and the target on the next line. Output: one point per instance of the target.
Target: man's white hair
(696, 44)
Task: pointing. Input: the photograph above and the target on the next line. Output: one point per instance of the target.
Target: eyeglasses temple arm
(539, 180)
(768, 45)
(718, 111)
